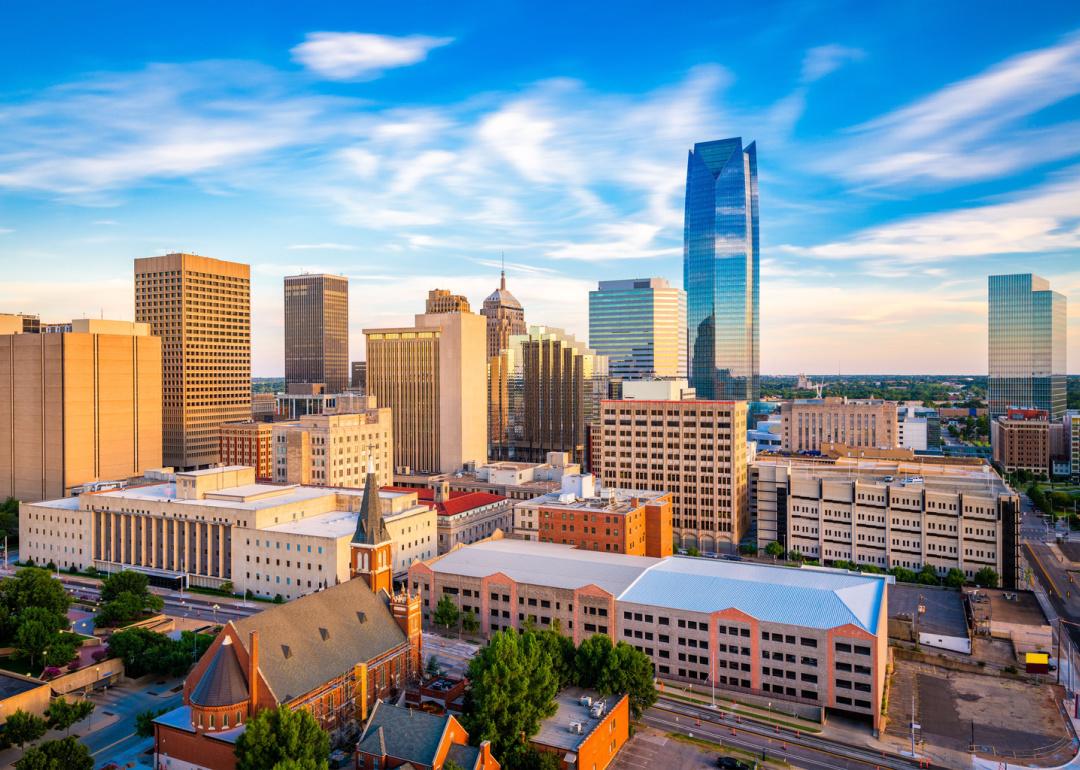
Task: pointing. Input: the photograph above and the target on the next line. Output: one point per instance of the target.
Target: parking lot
(650, 749)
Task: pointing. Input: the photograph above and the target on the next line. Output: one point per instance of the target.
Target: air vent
(286, 651)
(324, 633)
(362, 617)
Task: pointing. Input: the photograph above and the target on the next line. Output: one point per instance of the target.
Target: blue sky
(906, 151)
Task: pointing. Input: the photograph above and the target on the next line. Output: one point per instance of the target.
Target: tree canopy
(125, 596)
(36, 591)
(63, 713)
(144, 651)
(987, 578)
(446, 612)
(22, 727)
(277, 736)
(64, 754)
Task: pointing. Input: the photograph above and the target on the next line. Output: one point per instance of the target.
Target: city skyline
(375, 147)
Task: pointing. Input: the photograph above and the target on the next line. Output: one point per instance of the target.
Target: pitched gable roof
(318, 637)
(408, 734)
(223, 683)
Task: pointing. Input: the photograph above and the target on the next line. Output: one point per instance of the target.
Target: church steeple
(372, 549)
(370, 527)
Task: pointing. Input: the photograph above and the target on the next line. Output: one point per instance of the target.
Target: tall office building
(640, 325)
(546, 387)
(431, 376)
(720, 269)
(201, 309)
(317, 330)
(78, 407)
(505, 318)
(358, 376)
(442, 301)
(1027, 345)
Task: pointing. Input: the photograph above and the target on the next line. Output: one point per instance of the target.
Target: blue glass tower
(721, 269)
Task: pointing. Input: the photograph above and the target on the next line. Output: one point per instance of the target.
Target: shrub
(52, 672)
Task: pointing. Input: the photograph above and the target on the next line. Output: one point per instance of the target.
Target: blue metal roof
(799, 597)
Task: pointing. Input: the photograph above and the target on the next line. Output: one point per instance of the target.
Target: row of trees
(1052, 503)
(449, 616)
(148, 652)
(33, 618)
(515, 677)
(954, 578)
(9, 521)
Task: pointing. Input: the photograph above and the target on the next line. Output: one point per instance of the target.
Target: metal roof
(799, 597)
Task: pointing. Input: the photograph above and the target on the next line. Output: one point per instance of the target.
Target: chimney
(253, 668)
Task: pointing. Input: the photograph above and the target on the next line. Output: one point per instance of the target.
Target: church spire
(370, 528)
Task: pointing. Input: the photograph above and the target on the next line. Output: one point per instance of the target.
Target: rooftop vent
(286, 651)
(362, 617)
(324, 633)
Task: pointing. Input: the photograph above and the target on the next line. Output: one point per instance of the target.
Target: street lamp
(216, 607)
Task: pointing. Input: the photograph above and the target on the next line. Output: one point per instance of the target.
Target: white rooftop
(334, 524)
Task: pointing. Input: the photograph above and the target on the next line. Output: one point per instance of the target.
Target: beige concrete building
(248, 443)
(263, 406)
(432, 377)
(889, 513)
(78, 407)
(816, 637)
(218, 525)
(317, 330)
(809, 423)
(334, 450)
(516, 481)
(442, 301)
(694, 449)
(463, 517)
(201, 309)
(19, 323)
(505, 318)
(1021, 439)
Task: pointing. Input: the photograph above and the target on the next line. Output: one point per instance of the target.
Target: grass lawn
(19, 665)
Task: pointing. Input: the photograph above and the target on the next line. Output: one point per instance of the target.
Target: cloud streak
(360, 55)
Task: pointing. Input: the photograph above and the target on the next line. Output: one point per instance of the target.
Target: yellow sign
(1037, 658)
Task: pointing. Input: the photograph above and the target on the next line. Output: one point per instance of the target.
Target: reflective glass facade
(640, 325)
(721, 269)
(1027, 345)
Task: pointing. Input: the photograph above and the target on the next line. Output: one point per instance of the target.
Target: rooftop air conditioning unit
(575, 727)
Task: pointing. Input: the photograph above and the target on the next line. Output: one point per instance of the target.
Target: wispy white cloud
(826, 59)
(972, 129)
(105, 223)
(361, 55)
(6, 230)
(321, 247)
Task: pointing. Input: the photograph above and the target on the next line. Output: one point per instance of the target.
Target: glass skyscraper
(721, 269)
(640, 325)
(1027, 345)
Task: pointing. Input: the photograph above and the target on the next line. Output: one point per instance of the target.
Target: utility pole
(914, 724)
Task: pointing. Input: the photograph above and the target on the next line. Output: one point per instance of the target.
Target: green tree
(775, 550)
(144, 721)
(125, 596)
(591, 659)
(303, 764)
(23, 727)
(512, 690)
(32, 639)
(227, 587)
(629, 670)
(278, 735)
(144, 651)
(469, 622)
(64, 754)
(986, 578)
(124, 608)
(446, 612)
(30, 587)
(693, 551)
(562, 652)
(433, 668)
(955, 578)
(903, 575)
(63, 713)
(928, 576)
(451, 765)
(531, 759)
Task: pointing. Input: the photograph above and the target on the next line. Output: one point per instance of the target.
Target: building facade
(1021, 440)
(443, 301)
(463, 517)
(516, 481)
(505, 318)
(1027, 327)
(201, 309)
(696, 450)
(890, 514)
(721, 269)
(335, 654)
(335, 450)
(19, 323)
(358, 376)
(812, 636)
(249, 443)
(317, 330)
(78, 407)
(630, 521)
(918, 428)
(810, 423)
(548, 387)
(219, 526)
(432, 377)
(640, 325)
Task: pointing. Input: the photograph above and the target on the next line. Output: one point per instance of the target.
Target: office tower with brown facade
(694, 449)
(544, 389)
(442, 301)
(809, 423)
(505, 318)
(432, 376)
(201, 309)
(317, 331)
(78, 407)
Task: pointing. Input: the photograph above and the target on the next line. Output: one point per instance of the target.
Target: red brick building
(407, 738)
(248, 443)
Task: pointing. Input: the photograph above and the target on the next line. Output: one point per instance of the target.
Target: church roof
(223, 683)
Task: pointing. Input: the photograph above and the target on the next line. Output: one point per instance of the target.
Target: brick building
(248, 443)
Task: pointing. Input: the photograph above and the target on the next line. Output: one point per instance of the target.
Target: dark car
(730, 763)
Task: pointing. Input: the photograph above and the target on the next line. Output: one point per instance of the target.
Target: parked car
(730, 763)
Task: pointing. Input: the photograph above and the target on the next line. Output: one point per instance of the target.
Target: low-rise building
(396, 736)
(1021, 441)
(248, 443)
(517, 481)
(462, 517)
(810, 422)
(811, 635)
(219, 526)
(22, 693)
(586, 731)
(335, 448)
(334, 653)
(889, 513)
(263, 407)
(631, 521)
(918, 428)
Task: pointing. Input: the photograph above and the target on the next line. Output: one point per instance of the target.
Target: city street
(117, 741)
